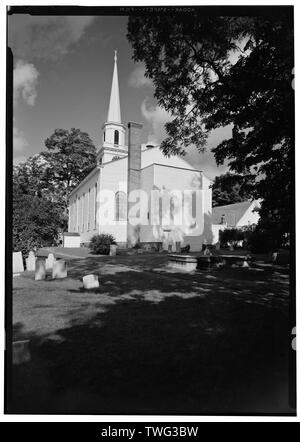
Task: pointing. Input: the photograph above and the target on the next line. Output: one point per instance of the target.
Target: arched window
(116, 137)
(120, 206)
(172, 210)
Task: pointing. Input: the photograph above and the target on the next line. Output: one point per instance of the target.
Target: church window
(116, 137)
(78, 214)
(172, 210)
(89, 209)
(95, 207)
(120, 206)
(83, 211)
(104, 136)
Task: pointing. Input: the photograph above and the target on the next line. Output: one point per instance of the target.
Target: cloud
(206, 161)
(25, 78)
(137, 78)
(156, 118)
(45, 38)
(19, 144)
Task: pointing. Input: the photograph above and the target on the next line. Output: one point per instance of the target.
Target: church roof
(231, 213)
(114, 110)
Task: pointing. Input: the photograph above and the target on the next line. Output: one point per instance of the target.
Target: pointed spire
(114, 111)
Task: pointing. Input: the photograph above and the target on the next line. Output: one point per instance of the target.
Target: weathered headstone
(169, 248)
(218, 245)
(18, 262)
(21, 352)
(231, 248)
(113, 250)
(50, 261)
(90, 281)
(30, 262)
(178, 246)
(59, 269)
(40, 270)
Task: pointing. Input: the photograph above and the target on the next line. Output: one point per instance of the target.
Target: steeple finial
(114, 111)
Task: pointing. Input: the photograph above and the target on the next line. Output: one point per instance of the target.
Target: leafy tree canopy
(53, 173)
(214, 71)
(41, 186)
(37, 222)
(231, 188)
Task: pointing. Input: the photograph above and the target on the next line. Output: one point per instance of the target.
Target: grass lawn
(152, 340)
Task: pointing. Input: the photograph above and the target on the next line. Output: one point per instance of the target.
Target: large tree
(42, 184)
(214, 71)
(37, 222)
(53, 173)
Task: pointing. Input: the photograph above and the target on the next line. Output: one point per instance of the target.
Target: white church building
(139, 195)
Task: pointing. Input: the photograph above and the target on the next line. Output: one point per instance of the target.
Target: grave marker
(112, 250)
(30, 262)
(59, 269)
(40, 270)
(90, 281)
(50, 261)
(21, 352)
(18, 262)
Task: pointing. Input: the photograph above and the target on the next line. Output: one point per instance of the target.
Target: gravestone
(112, 250)
(178, 247)
(40, 270)
(90, 281)
(18, 262)
(231, 248)
(59, 270)
(50, 261)
(21, 352)
(218, 245)
(30, 262)
(169, 248)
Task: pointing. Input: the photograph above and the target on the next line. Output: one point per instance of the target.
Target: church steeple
(113, 130)
(114, 111)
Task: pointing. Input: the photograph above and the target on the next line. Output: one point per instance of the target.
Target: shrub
(231, 236)
(100, 244)
(261, 241)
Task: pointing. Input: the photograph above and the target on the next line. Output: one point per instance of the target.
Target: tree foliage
(37, 222)
(231, 188)
(53, 173)
(231, 236)
(42, 184)
(214, 71)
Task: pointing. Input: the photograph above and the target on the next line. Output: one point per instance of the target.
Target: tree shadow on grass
(175, 355)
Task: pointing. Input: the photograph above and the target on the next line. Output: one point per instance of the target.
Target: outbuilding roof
(230, 214)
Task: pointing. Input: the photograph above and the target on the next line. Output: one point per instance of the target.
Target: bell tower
(113, 130)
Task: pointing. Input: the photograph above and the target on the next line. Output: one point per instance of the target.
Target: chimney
(134, 176)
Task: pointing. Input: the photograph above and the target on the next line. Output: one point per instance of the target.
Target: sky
(62, 77)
